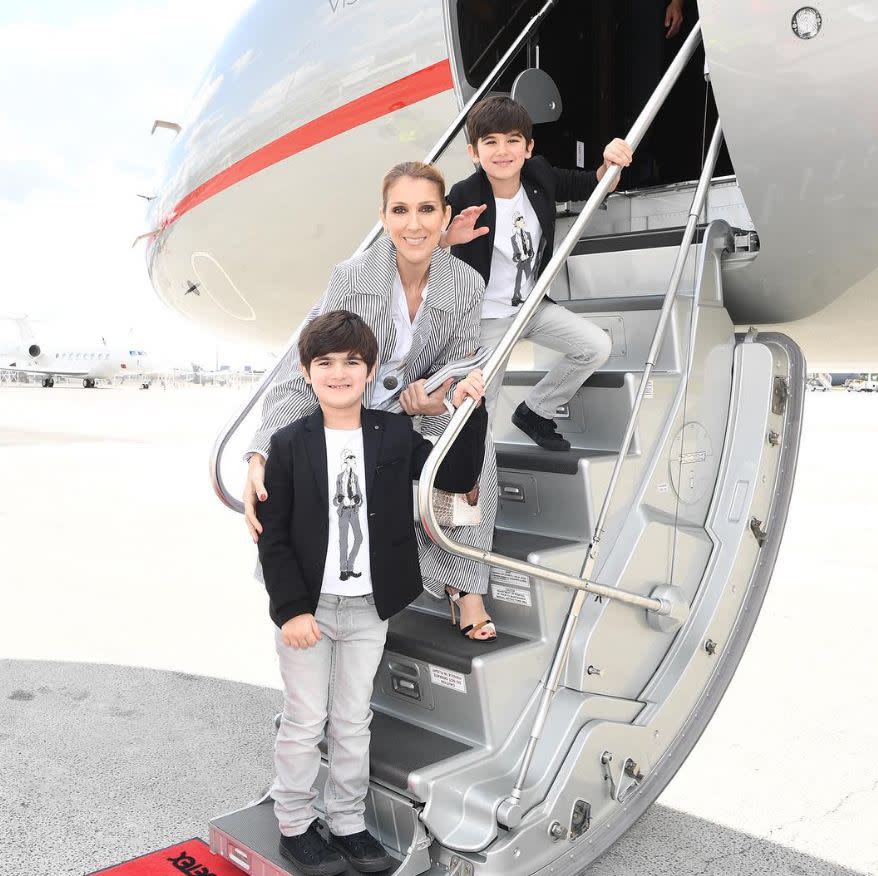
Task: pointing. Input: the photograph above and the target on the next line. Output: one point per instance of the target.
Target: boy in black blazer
(504, 227)
(339, 557)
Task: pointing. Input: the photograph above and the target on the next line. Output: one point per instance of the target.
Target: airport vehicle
(819, 383)
(861, 384)
(69, 358)
(627, 575)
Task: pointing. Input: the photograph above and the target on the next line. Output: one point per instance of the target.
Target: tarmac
(138, 680)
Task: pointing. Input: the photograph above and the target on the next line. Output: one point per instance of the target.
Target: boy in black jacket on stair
(504, 227)
(339, 556)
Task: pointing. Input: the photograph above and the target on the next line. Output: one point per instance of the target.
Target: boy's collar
(315, 422)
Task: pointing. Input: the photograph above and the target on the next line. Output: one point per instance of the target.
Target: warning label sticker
(649, 392)
(504, 576)
(511, 594)
(447, 678)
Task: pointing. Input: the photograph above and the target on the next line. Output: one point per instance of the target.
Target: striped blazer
(447, 332)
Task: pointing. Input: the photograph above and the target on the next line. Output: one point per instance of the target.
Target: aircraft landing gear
(88, 383)
(144, 385)
(48, 382)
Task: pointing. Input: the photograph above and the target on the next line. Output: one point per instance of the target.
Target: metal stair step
(432, 639)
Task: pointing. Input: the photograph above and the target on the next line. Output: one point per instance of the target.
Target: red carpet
(190, 858)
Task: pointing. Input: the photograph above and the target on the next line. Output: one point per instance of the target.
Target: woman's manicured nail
(263, 497)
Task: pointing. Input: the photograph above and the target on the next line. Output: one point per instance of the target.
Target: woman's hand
(301, 631)
(673, 18)
(254, 488)
(462, 228)
(416, 401)
(472, 386)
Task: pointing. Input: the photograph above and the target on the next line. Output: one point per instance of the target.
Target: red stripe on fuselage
(404, 92)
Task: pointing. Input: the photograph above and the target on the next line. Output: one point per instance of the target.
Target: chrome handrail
(509, 813)
(223, 437)
(504, 347)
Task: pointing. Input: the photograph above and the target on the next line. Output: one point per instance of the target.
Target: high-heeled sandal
(470, 631)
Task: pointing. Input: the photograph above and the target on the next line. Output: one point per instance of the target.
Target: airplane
(674, 497)
(90, 362)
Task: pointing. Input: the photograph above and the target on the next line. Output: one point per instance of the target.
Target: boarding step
(637, 263)
(249, 838)
(436, 680)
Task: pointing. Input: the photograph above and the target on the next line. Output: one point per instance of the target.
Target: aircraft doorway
(606, 57)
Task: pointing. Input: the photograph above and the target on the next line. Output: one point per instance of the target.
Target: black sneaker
(363, 851)
(311, 855)
(539, 429)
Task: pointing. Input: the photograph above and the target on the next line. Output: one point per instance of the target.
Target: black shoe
(311, 855)
(539, 429)
(355, 574)
(363, 851)
(343, 576)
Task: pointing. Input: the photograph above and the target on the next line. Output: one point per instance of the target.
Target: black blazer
(295, 517)
(545, 186)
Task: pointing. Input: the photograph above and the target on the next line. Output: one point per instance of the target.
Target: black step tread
(399, 749)
(520, 545)
(432, 639)
(598, 380)
(627, 240)
(530, 457)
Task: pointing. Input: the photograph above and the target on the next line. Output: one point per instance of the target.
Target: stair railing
(225, 434)
(510, 810)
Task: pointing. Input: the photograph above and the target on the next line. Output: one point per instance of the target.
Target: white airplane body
(275, 175)
(66, 357)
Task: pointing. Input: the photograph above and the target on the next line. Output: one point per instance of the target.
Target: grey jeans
(328, 686)
(585, 346)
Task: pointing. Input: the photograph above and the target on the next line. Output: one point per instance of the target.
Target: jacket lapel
(373, 434)
(315, 446)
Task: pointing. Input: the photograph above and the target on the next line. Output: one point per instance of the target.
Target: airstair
(626, 575)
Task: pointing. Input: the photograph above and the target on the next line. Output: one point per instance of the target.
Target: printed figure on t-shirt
(348, 501)
(522, 256)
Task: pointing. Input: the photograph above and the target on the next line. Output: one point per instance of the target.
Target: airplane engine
(34, 351)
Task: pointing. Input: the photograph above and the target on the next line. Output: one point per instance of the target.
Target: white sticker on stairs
(447, 678)
(504, 576)
(511, 594)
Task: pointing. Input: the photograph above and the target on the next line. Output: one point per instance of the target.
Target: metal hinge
(758, 532)
(780, 395)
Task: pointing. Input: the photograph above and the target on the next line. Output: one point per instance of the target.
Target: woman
(424, 306)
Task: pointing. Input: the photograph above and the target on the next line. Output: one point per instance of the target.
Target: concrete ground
(138, 682)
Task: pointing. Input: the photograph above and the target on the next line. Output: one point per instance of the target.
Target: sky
(80, 86)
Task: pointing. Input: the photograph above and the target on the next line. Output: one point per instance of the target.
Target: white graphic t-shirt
(347, 571)
(389, 377)
(514, 265)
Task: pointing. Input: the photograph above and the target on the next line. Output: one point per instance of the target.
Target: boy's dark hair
(338, 331)
(498, 115)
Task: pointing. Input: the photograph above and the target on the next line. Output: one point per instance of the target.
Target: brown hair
(498, 115)
(338, 331)
(415, 170)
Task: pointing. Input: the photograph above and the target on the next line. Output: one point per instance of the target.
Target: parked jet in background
(64, 357)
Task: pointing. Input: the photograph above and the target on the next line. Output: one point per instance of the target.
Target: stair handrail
(509, 812)
(504, 346)
(225, 434)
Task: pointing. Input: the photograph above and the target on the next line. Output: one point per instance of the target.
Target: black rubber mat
(433, 639)
(529, 457)
(398, 749)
